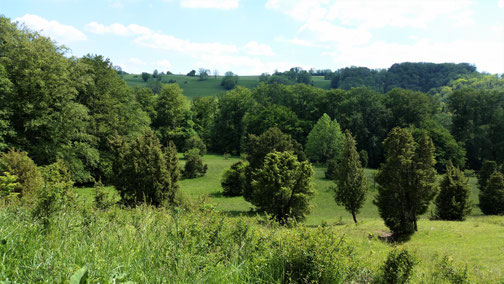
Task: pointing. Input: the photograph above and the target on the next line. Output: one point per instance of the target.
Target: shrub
(7, 186)
(491, 200)
(102, 200)
(233, 180)
(144, 172)
(364, 159)
(452, 202)
(194, 166)
(449, 271)
(195, 142)
(282, 187)
(332, 169)
(398, 267)
(27, 173)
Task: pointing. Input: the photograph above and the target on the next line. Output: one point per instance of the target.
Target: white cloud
(255, 48)
(210, 4)
(383, 54)
(117, 29)
(163, 65)
(63, 34)
(242, 65)
(500, 4)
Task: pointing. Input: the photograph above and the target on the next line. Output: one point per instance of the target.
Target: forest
(99, 179)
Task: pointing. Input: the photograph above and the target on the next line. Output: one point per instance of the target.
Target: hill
(193, 87)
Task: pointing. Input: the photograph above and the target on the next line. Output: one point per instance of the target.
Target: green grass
(220, 241)
(192, 87)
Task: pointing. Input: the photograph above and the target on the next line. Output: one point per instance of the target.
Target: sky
(249, 37)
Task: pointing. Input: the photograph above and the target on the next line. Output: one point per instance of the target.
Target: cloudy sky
(255, 36)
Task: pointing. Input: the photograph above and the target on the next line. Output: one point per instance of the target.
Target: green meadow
(193, 87)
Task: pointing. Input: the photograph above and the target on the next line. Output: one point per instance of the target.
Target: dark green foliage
(191, 73)
(270, 141)
(363, 156)
(173, 118)
(143, 173)
(195, 142)
(229, 81)
(447, 148)
(332, 169)
(452, 202)
(352, 77)
(102, 200)
(259, 121)
(228, 127)
(351, 183)
(424, 76)
(194, 166)
(398, 268)
(282, 187)
(477, 123)
(28, 177)
(145, 76)
(487, 169)
(491, 199)
(406, 181)
(204, 111)
(408, 107)
(233, 180)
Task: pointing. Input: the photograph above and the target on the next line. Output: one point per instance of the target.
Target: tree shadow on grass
(217, 194)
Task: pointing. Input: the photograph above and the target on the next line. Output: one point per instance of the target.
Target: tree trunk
(415, 223)
(354, 217)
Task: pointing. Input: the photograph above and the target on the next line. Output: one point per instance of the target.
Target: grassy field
(223, 241)
(477, 242)
(193, 87)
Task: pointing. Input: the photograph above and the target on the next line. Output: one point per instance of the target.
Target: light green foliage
(282, 187)
(29, 179)
(173, 116)
(194, 166)
(406, 181)
(398, 268)
(491, 199)
(452, 202)
(325, 140)
(8, 183)
(351, 184)
(144, 173)
(233, 180)
(447, 270)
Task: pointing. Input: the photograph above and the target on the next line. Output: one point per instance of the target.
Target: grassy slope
(479, 241)
(193, 87)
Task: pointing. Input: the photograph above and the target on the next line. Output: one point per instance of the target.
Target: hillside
(193, 87)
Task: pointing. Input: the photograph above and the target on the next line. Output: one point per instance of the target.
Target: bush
(146, 173)
(195, 142)
(194, 166)
(7, 186)
(234, 180)
(491, 199)
(27, 173)
(364, 159)
(398, 267)
(102, 200)
(452, 202)
(332, 169)
(449, 271)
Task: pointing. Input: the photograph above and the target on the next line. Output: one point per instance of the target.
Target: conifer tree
(491, 200)
(452, 202)
(406, 180)
(487, 169)
(350, 179)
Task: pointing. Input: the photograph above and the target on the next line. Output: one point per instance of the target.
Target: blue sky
(254, 36)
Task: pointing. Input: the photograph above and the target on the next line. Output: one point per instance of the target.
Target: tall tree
(453, 201)
(325, 140)
(350, 180)
(406, 180)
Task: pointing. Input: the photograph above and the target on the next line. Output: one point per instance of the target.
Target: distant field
(193, 87)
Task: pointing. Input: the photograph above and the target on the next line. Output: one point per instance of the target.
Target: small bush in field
(447, 270)
(194, 166)
(195, 142)
(102, 200)
(233, 181)
(398, 267)
(27, 174)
